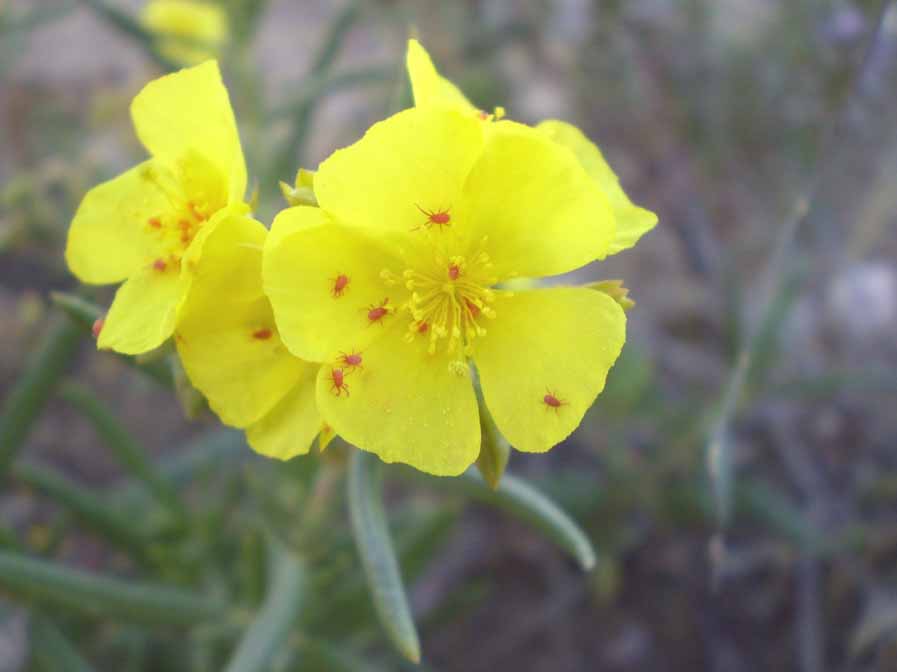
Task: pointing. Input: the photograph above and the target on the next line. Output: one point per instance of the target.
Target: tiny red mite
(378, 312)
(340, 283)
(438, 217)
(338, 384)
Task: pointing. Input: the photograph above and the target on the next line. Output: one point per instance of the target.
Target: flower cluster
(382, 306)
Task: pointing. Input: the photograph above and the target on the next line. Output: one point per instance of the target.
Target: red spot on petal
(262, 334)
(155, 222)
(160, 265)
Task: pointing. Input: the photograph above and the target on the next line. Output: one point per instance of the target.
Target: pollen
(449, 305)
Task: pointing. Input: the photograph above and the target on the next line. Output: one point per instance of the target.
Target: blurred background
(738, 477)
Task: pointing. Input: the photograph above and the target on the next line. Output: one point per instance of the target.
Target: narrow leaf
(51, 651)
(85, 314)
(270, 630)
(52, 585)
(123, 444)
(378, 556)
(26, 400)
(524, 502)
(93, 512)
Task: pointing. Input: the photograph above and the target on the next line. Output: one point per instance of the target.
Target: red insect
(472, 307)
(338, 384)
(340, 283)
(160, 265)
(438, 217)
(423, 327)
(262, 334)
(351, 360)
(155, 222)
(377, 312)
(97, 327)
(551, 401)
(454, 272)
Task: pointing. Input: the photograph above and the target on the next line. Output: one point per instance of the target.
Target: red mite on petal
(378, 312)
(351, 360)
(262, 334)
(338, 383)
(160, 265)
(98, 326)
(552, 402)
(340, 283)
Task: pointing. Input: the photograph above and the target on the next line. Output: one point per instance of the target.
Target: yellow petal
(404, 405)
(190, 110)
(544, 359)
(632, 221)
(144, 311)
(322, 280)
(290, 427)
(226, 335)
(109, 238)
(411, 164)
(430, 89)
(541, 212)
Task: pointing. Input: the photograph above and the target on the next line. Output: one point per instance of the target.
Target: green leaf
(51, 651)
(51, 585)
(495, 451)
(85, 313)
(270, 630)
(34, 387)
(123, 444)
(93, 512)
(524, 502)
(378, 557)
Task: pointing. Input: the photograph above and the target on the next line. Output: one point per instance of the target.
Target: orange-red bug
(377, 312)
(97, 326)
(454, 272)
(472, 307)
(155, 222)
(160, 265)
(262, 334)
(423, 327)
(338, 383)
(552, 401)
(438, 217)
(351, 360)
(340, 283)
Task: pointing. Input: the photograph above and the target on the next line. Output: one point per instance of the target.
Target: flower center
(450, 302)
(187, 211)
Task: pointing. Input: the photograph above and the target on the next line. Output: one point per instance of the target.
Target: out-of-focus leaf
(36, 17)
(51, 651)
(94, 513)
(131, 27)
(127, 449)
(878, 622)
(270, 629)
(51, 585)
(378, 556)
(26, 400)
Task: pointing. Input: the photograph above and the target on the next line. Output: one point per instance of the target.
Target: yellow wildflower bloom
(432, 90)
(232, 353)
(186, 31)
(392, 283)
(147, 225)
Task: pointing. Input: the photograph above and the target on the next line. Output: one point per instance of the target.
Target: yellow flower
(397, 270)
(232, 353)
(147, 225)
(186, 32)
(432, 90)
